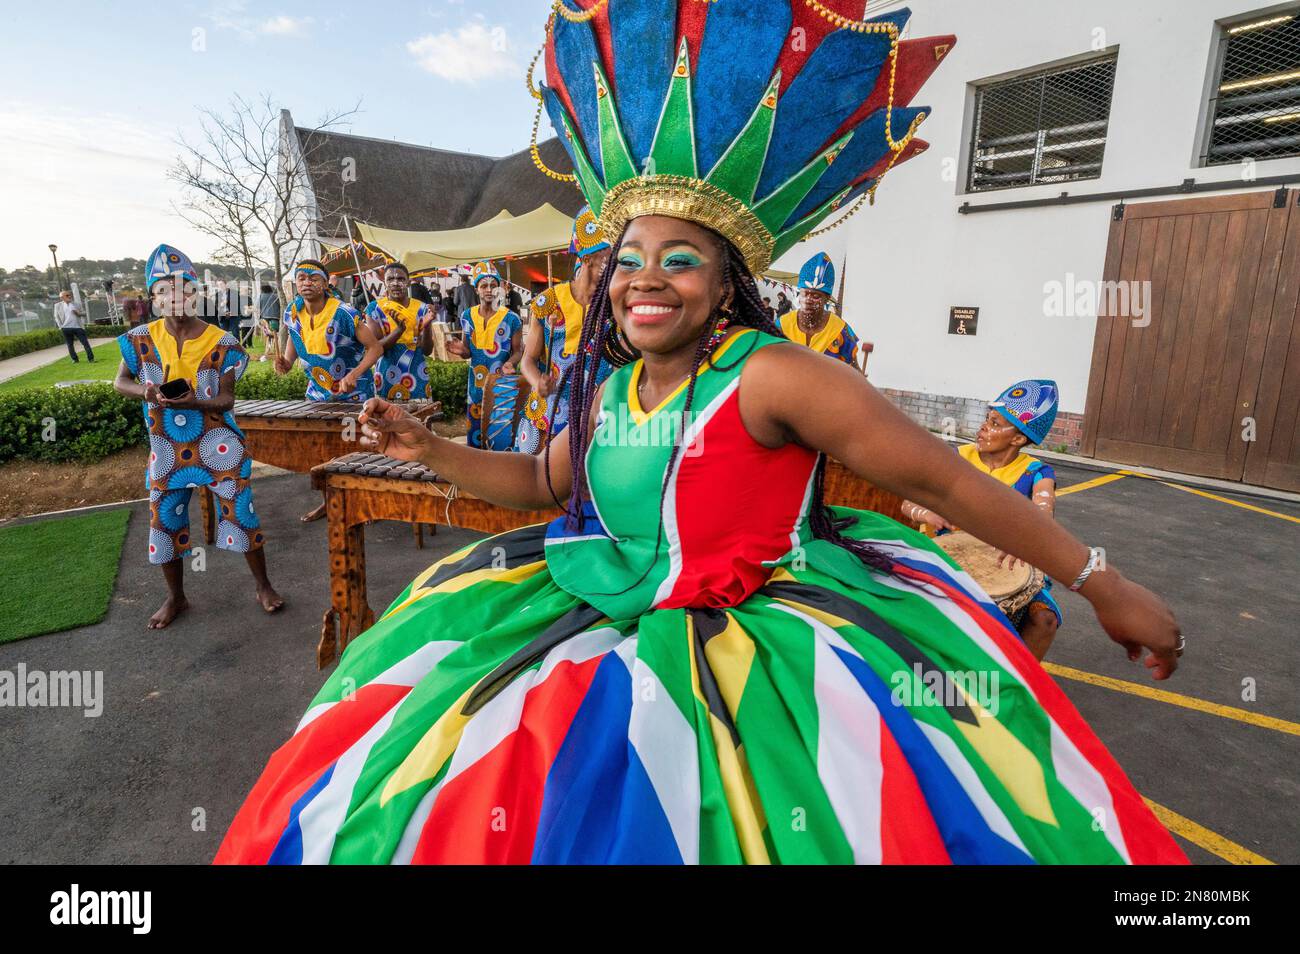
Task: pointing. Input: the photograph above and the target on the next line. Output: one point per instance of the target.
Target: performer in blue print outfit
(193, 438)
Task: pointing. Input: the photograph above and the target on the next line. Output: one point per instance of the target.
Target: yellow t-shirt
(181, 361)
(1007, 474)
(821, 341)
(485, 330)
(410, 315)
(313, 326)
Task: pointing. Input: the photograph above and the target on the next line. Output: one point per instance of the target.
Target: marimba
(843, 488)
(298, 435)
(360, 488)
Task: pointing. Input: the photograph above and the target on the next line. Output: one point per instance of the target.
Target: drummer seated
(1021, 416)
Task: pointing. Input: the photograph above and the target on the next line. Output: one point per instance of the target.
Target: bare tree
(250, 190)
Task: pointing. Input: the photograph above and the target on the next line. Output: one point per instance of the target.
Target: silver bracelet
(1095, 557)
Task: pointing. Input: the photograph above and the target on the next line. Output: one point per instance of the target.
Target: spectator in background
(70, 318)
(227, 320)
(767, 306)
(466, 297)
(783, 304)
(131, 310)
(419, 292)
(449, 305)
(268, 321)
(359, 298)
(514, 300)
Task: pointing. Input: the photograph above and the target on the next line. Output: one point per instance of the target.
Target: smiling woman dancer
(700, 662)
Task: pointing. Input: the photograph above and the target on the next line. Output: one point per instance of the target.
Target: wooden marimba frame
(360, 488)
(299, 435)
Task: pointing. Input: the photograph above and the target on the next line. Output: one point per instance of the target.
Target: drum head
(981, 561)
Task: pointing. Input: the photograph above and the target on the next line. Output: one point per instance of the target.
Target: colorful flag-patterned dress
(835, 339)
(697, 680)
(489, 342)
(327, 344)
(402, 374)
(191, 448)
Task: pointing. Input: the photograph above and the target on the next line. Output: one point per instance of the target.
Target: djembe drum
(503, 401)
(1011, 587)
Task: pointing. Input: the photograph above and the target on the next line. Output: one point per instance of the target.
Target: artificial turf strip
(58, 574)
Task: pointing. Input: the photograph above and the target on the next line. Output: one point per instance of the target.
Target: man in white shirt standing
(71, 320)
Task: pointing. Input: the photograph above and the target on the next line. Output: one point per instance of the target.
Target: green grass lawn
(58, 574)
(107, 359)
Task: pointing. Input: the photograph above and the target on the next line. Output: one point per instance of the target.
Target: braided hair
(603, 340)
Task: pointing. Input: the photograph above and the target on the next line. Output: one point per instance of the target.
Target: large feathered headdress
(756, 118)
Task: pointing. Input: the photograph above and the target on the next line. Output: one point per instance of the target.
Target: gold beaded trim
(581, 16)
(694, 200)
(862, 26)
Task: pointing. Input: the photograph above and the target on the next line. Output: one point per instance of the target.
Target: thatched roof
(403, 186)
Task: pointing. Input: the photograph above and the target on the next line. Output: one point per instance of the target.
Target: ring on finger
(1180, 645)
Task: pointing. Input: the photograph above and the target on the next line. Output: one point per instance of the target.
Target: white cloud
(285, 25)
(472, 53)
(233, 15)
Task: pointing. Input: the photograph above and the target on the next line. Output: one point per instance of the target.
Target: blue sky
(93, 95)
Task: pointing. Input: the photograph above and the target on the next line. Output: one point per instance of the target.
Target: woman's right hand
(391, 430)
(282, 364)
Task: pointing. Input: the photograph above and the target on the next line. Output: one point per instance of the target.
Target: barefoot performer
(404, 328)
(337, 348)
(551, 345)
(700, 650)
(193, 438)
(493, 342)
(813, 325)
(1022, 414)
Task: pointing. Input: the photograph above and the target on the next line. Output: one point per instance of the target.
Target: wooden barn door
(1207, 381)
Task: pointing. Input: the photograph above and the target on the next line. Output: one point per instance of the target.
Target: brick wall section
(962, 417)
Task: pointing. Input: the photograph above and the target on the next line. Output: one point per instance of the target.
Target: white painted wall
(912, 257)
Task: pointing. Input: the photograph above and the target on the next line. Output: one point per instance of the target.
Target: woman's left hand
(1137, 619)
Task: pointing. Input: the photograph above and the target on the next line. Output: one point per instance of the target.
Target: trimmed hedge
(92, 421)
(447, 383)
(447, 380)
(11, 346)
(84, 423)
(261, 383)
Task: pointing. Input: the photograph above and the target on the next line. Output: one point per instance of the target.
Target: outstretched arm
(517, 481)
(852, 422)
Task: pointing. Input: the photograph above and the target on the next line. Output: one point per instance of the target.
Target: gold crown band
(681, 197)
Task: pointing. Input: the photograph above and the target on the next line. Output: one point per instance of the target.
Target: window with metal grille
(1255, 103)
(1048, 126)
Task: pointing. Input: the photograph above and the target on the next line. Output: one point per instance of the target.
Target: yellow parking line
(1202, 837)
(1089, 484)
(1210, 496)
(1174, 699)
